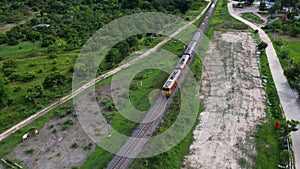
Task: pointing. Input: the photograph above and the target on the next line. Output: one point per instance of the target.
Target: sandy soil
(234, 104)
(54, 149)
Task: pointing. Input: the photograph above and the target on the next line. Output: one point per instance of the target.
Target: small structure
(41, 25)
(25, 137)
(270, 4)
(36, 132)
(297, 17)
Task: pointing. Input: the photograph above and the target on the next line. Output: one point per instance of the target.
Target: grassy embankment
(267, 145)
(270, 144)
(252, 18)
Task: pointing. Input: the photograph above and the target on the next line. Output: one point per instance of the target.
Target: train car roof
(183, 61)
(191, 47)
(171, 80)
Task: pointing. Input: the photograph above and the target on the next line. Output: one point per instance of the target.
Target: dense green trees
(8, 67)
(290, 27)
(34, 92)
(54, 79)
(76, 21)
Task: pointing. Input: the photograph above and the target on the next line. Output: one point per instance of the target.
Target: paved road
(62, 100)
(288, 98)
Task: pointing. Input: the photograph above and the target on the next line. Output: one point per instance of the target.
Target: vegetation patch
(252, 18)
(271, 142)
(29, 151)
(287, 52)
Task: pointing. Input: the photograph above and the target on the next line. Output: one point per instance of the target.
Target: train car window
(165, 89)
(173, 75)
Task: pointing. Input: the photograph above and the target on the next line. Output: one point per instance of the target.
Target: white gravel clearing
(234, 104)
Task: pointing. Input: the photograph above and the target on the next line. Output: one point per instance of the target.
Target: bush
(294, 31)
(284, 53)
(29, 151)
(75, 145)
(279, 41)
(54, 79)
(12, 42)
(14, 76)
(69, 122)
(28, 77)
(291, 72)
(8, 71)
(52, 56)
(262, 45)
(284, 156)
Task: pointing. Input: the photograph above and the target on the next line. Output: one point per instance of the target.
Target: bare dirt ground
(56, 147)
(234, 104)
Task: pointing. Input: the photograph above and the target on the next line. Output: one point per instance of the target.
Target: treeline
(68, 24)
(13, 12)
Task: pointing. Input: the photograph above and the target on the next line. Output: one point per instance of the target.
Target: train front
(166, 89)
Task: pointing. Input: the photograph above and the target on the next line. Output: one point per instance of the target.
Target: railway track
(133, 146)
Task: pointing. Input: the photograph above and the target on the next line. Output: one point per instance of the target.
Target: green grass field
(30, 59)
(294, 50)
(252, 18)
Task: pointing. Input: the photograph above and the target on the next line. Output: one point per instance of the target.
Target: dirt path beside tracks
(234, 104)
(61, 143)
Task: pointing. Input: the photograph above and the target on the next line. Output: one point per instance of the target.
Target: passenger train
(173, 80)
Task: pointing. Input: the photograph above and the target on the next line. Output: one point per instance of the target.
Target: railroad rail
(133, 145)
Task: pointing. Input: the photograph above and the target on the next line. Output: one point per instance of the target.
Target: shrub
(14, 76)
(294, 31)
(12, 42)
(284, 53)
(262, 45)
(29, 151)
(52, 56)
(69, 122)
(65, 127)
(75, 145)
(279, 41)
(54, 79)
(28, 76)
